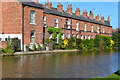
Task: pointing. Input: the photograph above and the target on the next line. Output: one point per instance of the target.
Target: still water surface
(61, 65)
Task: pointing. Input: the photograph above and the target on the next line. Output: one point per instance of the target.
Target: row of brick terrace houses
(27, 21)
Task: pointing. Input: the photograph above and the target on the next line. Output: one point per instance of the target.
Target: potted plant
(34, 47)
(47, 43)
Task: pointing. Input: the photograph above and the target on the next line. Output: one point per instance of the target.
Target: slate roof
(54, 11)
(32, 4)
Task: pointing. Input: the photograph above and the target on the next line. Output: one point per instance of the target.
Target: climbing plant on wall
(54, 32)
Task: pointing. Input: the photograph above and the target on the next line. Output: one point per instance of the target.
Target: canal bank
(41, 52)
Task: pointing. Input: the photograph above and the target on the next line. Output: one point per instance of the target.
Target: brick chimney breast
(49, 5)
(91, 15)
(109, 18)
(77, 12)
(97, 18)
(85, 13)
(60, 7)
(102, 19)
(69, 9)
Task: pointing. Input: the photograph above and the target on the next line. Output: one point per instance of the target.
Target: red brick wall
(38, 28)
(12, 18)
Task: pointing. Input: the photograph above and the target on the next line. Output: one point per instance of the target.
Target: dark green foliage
(71, 43)
(15, 44)
(116, 39)
(118, 72)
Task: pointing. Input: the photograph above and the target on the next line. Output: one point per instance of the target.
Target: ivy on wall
(54, 32)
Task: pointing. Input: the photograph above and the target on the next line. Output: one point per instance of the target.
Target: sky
(102, 8)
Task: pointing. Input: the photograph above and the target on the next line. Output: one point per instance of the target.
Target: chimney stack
(85, 13)
(36, 1)
(102, 19)
(97, 18)
(109, 18)
(60, 7)
(91, 15)
(77, 12)
(49, 5)
(69, 9)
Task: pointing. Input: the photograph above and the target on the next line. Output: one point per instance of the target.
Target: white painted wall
(19, 36)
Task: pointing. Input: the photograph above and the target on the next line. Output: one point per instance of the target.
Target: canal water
(61, 65)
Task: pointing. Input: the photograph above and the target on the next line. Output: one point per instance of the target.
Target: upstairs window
(44, 21)
(56, 23)
(85, 27)
(32, 17)
(92, 28)
(98, 29)
(68, 23)
(77, 26)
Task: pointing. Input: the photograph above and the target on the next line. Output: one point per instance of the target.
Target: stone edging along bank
(41, 52)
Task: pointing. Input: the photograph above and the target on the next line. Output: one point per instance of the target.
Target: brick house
(27, 21)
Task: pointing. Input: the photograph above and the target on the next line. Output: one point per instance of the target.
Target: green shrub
(39, 48)
(8, 50)
(34, 47)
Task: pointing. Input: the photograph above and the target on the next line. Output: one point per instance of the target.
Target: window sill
(33, 23)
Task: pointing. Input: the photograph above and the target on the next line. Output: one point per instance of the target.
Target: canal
(61, 65)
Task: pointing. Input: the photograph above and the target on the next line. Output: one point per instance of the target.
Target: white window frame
(77, 26)
(89, 36)
(68, 35)
(56, 22)
(85, 29)
(81, 36)
(98, 29)
(68, 23)
(63, 36)
(32, 37)
(92, 28)
(103, 30)
(32, 17)
(50, 37)
(77, 36)
(44, 21)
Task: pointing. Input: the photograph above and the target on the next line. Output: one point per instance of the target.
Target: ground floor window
(32, 37)
(68, 35)
(89, 37)
(50, 36)
(77, 35)
(63, 36)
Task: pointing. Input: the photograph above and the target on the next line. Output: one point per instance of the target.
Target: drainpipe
(71, 29)
(23, 28)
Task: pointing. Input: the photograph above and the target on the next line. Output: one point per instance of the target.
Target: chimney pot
(85, 13)
(97, 18)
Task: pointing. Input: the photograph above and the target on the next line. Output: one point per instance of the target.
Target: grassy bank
(115, 76)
